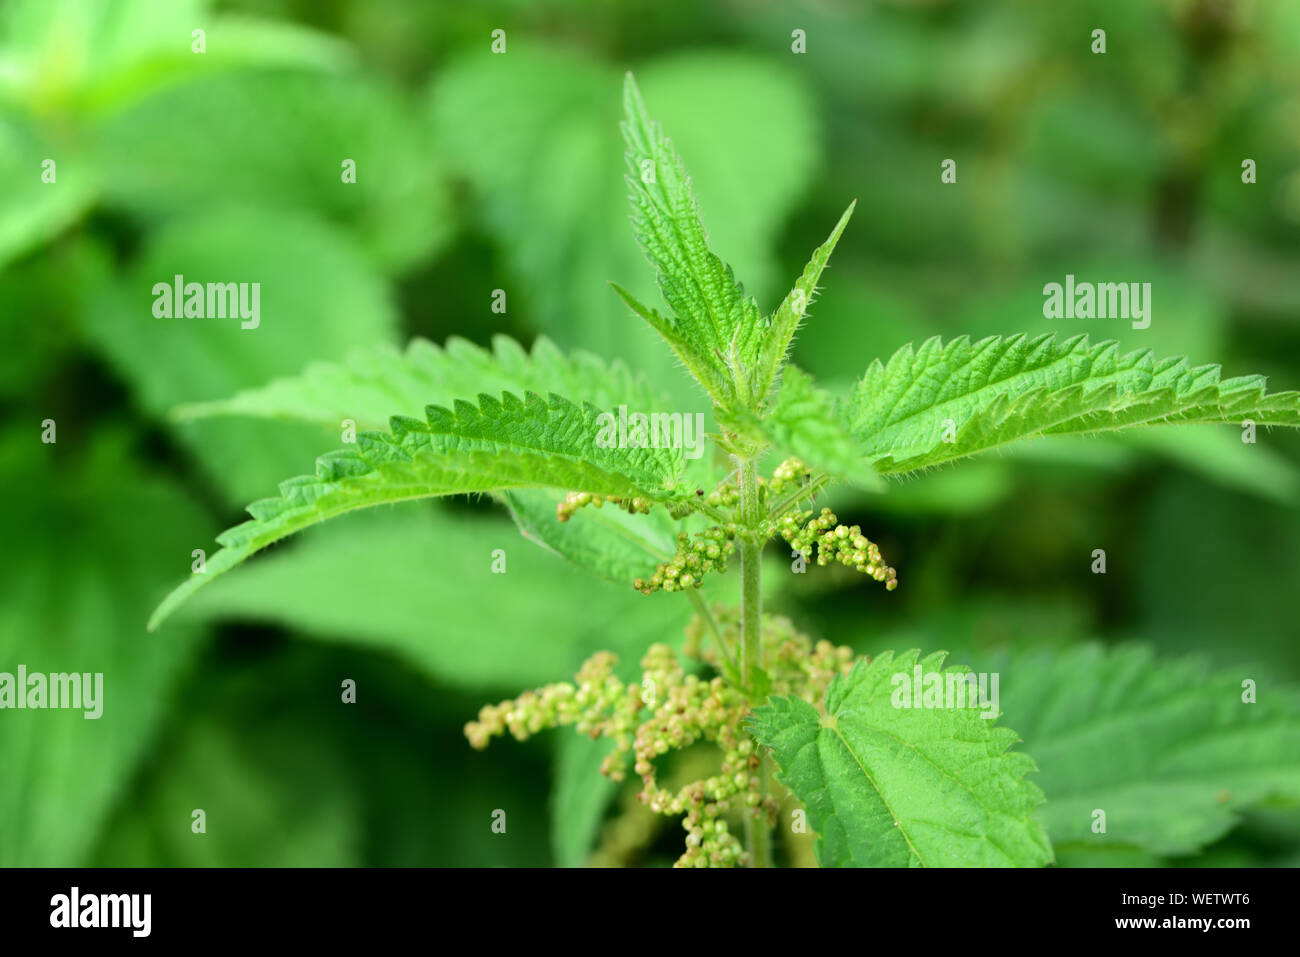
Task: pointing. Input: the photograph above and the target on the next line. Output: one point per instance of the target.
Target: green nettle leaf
(580, 797)
(1169, 751)
(715, 328)
(892, 786)
(937, 403)
(408, 598)
(535, 134)
(774, 347)
(803, 421)
(373, 385)
(495, 445)
(608, 541)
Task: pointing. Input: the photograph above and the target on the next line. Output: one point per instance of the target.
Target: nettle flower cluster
(696, 555)
(672, 708)
(831, 541)
(573, 501)
(821, 538)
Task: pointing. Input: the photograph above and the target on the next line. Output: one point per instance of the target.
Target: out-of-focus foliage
(305, 267)
(1164, 747)
(78, 571)
(478, 172)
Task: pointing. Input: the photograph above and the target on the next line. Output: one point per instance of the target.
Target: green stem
(702, 609)
(751, 599)
(716, 514)
(751, 610)
(758, 838)
(807, 491)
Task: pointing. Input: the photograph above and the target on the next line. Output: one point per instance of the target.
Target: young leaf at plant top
(938, 403)
(804, 421)
(542, 176)
(775, 342)
(889, 786)
(496, 445)
(714, 327)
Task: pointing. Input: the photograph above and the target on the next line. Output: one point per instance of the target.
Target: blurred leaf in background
(285, 142)
(477, 171)
(420, 582)
(318, 299)
(90, 546)
(68, 66)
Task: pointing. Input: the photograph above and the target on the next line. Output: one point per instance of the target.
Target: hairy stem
(716, 514)
(751, 602)
(757, 837)
(805, 492)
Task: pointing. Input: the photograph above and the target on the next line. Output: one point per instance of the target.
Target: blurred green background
(479, 171)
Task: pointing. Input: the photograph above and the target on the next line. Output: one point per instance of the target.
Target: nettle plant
(881, 783)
